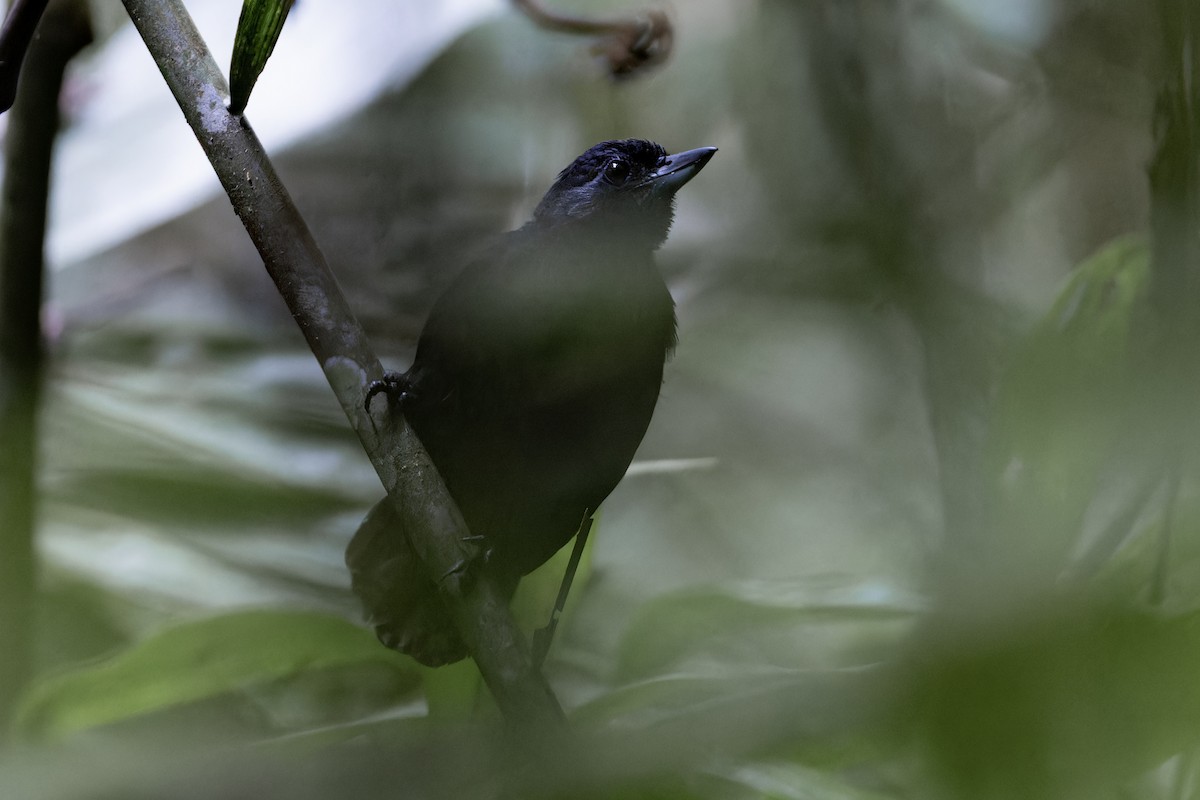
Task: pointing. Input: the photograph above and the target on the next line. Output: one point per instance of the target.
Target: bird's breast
(534, 384)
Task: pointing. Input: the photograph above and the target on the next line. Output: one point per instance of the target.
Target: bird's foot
(486, 554)
(459, 579)
(395, 385)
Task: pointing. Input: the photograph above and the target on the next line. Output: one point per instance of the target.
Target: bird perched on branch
(534, 381)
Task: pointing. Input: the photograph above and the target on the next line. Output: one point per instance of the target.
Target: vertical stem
(1172, 373)
(1175, 175)
(959, 333)
(15, 36)
(32, 125)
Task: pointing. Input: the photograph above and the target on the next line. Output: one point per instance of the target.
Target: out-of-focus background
(899, 527)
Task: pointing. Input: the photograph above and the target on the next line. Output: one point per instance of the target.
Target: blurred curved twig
(15, 36)
(28, 153)
(628, 45)
(1174, 328)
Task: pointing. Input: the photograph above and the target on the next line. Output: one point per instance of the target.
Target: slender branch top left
(304, 280)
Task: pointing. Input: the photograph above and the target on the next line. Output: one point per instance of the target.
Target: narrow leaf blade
(258, 29)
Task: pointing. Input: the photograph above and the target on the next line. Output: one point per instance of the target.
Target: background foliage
(905, 524)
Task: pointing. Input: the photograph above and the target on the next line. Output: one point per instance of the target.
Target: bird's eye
(616, 171)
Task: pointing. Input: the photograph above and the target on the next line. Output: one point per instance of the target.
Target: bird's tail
(401, 603)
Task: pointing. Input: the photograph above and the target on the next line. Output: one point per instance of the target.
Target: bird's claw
(459, 579)
(394, 385)
(486, 554)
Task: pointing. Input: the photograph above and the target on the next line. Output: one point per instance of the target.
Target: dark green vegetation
(917, 513)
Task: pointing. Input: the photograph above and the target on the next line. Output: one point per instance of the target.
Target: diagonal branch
(299, 270)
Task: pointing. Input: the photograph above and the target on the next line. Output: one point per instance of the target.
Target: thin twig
(544, 636)
(15, 36)
(628, 46)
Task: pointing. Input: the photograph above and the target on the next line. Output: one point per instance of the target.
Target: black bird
(534, 381)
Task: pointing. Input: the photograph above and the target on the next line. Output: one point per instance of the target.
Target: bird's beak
(677, 170)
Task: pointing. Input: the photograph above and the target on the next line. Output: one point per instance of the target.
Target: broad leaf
(823, 622)
(199, 661)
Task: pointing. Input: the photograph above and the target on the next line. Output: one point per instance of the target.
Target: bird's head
(625, 188)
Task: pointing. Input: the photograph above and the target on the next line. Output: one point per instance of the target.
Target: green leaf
(258, 29)
(675, 696)
(200, 661)
(781, 780)
(1080, 700)
(823, 622)
(834, 719)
